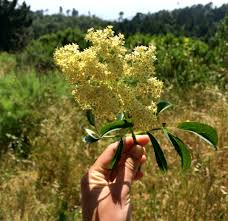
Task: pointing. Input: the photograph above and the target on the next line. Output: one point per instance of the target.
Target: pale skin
(106, 193)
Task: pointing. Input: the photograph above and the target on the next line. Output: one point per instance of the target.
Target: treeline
(19, 25)
(46, 24)
(15, 25)
(198, 21)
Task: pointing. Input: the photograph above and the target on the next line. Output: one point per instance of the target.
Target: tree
(15, 22)
(196, 21)
(74, 12)
(121, 14)
(68, 12)
(60, 10)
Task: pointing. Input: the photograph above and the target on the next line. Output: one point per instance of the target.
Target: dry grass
(202, 192)
(46, 186)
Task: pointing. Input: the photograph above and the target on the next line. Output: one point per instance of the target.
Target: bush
(7, 63)
(39, 53)
(22, 105)
(220, 44)
(182, 62)
(15, 22)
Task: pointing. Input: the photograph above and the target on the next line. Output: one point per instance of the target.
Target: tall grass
(43, 184)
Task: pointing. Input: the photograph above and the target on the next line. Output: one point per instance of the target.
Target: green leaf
(182, 150)
(160, 158)
(92, 134)
(162, 106)
(89, 139)
(115, 125)
(165, 131)
(204, 131)
(111, 132)
(90, 117)
(117, 156)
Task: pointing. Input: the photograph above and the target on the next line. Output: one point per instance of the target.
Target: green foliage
(160, 158)
(221, 40)
(219, 43)
(184, 62)
(106, 130)
(7, 63)
(181, 149)
(138, 39)
(204, 131)
(162, 106)
(39, 53)
(118, 124)
(90, 117)
(15, 22)
(197, 21)
(181, 62)
(117, 155)
(91, 136)
(19, 25)
(20, 106)
(46, 24)
(90, 139)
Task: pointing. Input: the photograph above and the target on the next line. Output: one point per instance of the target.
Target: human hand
(106, 193)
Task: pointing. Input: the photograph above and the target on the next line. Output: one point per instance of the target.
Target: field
(45, 158)
(42, 154)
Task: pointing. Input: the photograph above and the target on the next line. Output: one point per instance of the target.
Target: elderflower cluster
(108, 79)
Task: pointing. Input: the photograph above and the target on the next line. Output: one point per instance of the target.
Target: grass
(44, 185)
(7, 63)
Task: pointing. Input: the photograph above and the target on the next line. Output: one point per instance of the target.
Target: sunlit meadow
(43, 155)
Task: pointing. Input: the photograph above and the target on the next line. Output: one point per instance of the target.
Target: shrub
(22, 99)
(7, 63)
(39, 53)
(220, 44)
(182, 62)
(15, 22)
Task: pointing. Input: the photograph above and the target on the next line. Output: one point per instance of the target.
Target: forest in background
(19, 25)
(41, 126)
(198, 32)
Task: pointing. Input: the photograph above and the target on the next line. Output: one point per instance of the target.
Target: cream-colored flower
(98, 97)
(108, 79)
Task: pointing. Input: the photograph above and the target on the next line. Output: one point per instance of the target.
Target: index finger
(142, 140)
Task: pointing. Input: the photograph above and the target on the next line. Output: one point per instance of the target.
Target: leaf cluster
(122, 123)
(39, 53)
(183, 62)
(22, 101)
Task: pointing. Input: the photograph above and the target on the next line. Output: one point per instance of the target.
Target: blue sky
(110, 9)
